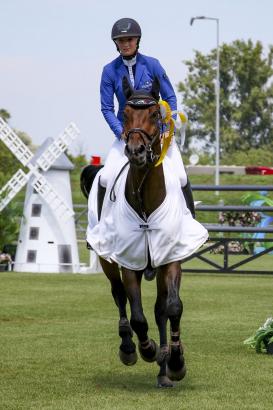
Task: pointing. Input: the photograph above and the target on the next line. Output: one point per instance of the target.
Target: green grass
(59, 345)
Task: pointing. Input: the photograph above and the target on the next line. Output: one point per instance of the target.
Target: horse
(145, 192)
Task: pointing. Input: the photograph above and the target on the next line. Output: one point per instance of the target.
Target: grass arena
(59, 345)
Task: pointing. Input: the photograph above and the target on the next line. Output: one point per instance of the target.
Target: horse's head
(142, 119)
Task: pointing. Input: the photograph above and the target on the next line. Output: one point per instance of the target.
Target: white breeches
(117, 153)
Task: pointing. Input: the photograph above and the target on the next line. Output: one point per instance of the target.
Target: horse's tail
(87, 178)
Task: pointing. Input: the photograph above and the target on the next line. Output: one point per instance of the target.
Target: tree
(246, 97)
(9, 216)
(4, 114)
(79, 161)
(9, 224)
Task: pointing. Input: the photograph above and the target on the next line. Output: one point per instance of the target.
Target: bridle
(150, 155)
(142, 102)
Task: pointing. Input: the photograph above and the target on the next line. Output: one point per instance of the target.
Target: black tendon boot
(100, 198)
(187, 192)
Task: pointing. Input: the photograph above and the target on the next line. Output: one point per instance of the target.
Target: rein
(112, 192)
(137, 193)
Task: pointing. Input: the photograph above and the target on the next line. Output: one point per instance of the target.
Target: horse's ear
(126, 87)
(155, 88)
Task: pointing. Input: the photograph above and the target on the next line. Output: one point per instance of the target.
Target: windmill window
(31, 256)
(34, 233)
(36, 210)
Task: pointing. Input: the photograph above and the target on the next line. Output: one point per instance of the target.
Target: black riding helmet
(126, 27)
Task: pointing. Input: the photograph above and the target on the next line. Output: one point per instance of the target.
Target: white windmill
(47, 240)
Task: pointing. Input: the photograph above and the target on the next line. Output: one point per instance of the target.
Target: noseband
(151, 156)
(142, 103)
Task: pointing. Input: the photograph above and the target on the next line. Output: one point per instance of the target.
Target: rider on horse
(141, 71)
(147, 230)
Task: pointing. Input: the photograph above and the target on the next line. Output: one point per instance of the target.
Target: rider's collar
(129, 62)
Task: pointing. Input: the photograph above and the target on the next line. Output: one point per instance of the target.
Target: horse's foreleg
(127, 349)
(169, 306)
(176, 368)
(147, 347)
(161, 317)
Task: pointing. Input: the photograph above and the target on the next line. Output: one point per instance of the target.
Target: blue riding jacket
(146, 69)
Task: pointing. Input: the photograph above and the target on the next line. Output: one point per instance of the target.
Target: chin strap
(166, 115)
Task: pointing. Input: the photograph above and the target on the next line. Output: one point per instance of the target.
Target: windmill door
(65, 258)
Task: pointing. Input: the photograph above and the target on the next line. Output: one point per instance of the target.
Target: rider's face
(127, 46)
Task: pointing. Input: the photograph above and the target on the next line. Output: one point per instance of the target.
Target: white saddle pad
(170, 233)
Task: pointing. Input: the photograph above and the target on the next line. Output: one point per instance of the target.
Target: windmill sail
(12, 187)
(14, 143)
(58, 146)
(44, 162)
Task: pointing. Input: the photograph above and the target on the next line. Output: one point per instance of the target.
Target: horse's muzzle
(137, 155)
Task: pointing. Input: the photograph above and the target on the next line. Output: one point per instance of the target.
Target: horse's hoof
(150, 354)
(176, 375)
(176, 367)
(129, 359)
(164, 381)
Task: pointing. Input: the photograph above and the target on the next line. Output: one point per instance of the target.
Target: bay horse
(145, 191)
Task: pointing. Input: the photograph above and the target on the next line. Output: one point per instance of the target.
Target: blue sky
(53, 51)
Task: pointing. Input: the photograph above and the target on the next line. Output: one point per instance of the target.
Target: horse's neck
(152, 192)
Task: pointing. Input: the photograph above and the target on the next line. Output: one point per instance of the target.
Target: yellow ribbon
(182, 116)
(167, 139)
(166, 114)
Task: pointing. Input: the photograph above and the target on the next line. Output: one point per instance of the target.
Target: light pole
(217, 98)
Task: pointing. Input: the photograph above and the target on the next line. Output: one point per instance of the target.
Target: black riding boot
(187, 192)
(100, 198)
(86, 187)
(87, 178)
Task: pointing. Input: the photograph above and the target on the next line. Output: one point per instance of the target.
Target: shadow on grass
(137, 382)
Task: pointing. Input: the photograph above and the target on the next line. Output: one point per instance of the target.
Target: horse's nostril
(138, 150)
(134, 150)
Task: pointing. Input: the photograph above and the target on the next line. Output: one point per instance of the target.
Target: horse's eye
(154, 115)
